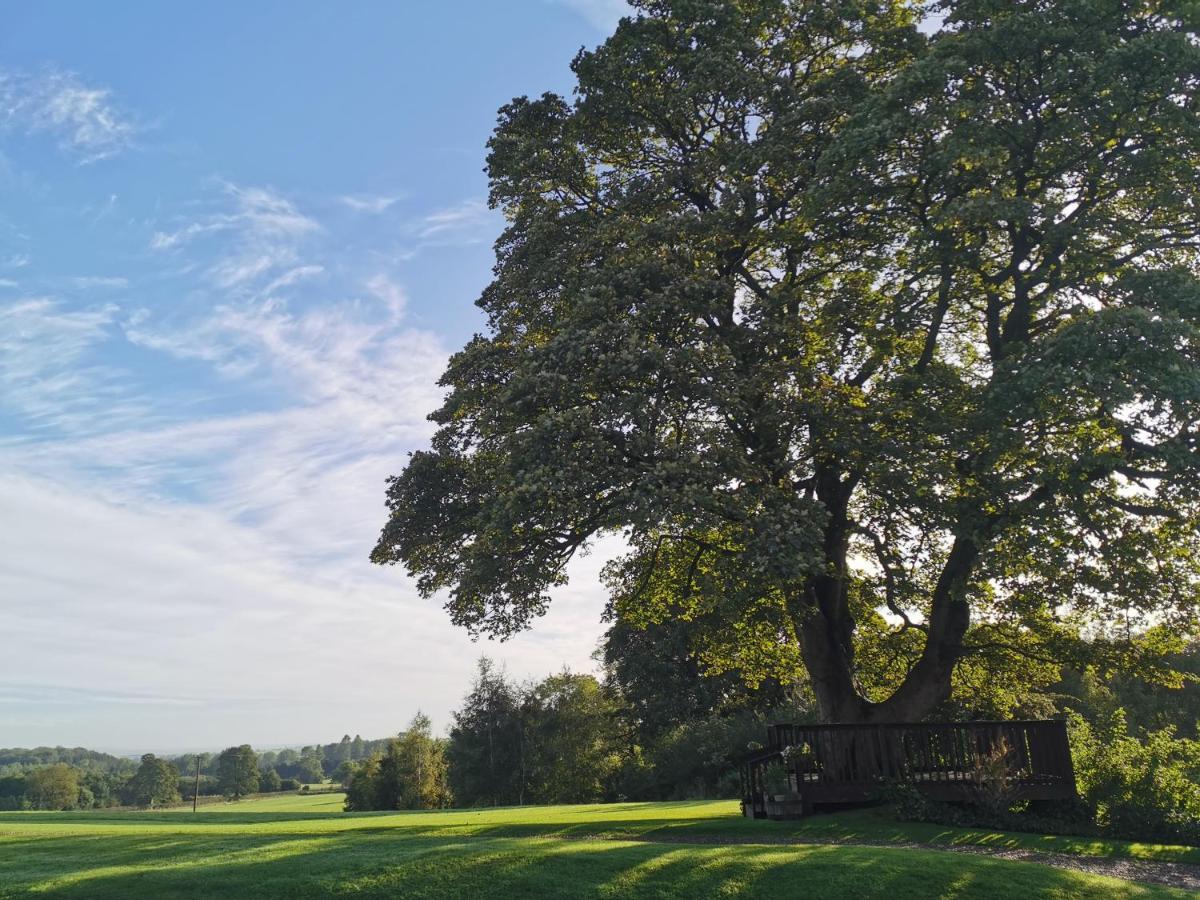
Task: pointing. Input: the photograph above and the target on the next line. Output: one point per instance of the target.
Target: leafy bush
(693, 760)
(1056, 817)
(1130, 787)
(1140, 788)
(635, 776)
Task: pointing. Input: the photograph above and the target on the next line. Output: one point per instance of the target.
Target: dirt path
(1146, 871)
(1171, 874)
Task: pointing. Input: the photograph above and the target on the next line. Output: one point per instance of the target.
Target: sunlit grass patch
(298, 845)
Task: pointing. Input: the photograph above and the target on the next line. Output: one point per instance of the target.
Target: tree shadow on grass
(669, 822)
(431, 867)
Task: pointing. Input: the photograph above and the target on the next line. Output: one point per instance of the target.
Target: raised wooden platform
(951, 761)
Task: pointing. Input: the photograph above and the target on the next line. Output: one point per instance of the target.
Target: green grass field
(304, 846)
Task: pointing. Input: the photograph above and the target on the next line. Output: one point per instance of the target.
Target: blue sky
(237, 243)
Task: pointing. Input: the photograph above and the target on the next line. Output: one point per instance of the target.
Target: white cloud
(17, 261)
(97, 212)
(266, 558)
(469, 215)
(8, 283)
(258, 213)
(166, 240)
(47, 375)
(163, 605)
(368, 204)
(264, 231)
(84, 282)
(332, 350)
(248, 266)
(84, 118)
(603, 14)
(211, 520)
(266, 213)
(389, 293)
(293, 276)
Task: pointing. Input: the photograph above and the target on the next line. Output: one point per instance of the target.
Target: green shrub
(694, 760)
(1130, 787)
(1140, 788)
(1049, 817)
(634, 778)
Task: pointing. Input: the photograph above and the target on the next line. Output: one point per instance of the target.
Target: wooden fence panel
(844, 762)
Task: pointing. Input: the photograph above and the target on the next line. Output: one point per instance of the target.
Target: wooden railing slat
(942, 755)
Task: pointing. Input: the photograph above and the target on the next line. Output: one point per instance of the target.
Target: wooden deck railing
(947, 760)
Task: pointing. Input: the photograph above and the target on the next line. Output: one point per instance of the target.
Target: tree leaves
(848, 331)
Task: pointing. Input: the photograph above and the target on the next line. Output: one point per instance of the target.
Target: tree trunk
(829, 670)
(825, 629)
(825, 625)
(928, 683)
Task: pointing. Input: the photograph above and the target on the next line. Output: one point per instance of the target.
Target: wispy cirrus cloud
(258, 213)
(219, 529)
(50, 375)
(467, 217)
(238, 494)
(84, 118)
(374, 204)
(84, 282)
(307, 473)
(263, 230)
(293, 276)
(389, 293)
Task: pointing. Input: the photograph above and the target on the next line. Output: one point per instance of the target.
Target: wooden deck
(952, 761)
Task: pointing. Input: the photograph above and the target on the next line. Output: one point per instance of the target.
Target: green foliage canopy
(662, 682)
(557, 740)
(269, 781)
(488, 751)
(55, 786)
(879, 348)
(410, 773)
(155, 783)
(237, 771)
(1144, 788)
(571, 732)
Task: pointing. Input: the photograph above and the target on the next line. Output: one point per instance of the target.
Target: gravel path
(1171, 874)
(1147, 871)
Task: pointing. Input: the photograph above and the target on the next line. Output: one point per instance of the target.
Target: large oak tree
(879, 346)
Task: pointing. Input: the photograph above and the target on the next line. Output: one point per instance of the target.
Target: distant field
(304, 846)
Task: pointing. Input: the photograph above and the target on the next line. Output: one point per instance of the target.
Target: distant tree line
(61, 778)
(313, 764)
(655, 724)
(58, 778)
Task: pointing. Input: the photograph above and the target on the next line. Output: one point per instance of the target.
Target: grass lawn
(304, 846)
